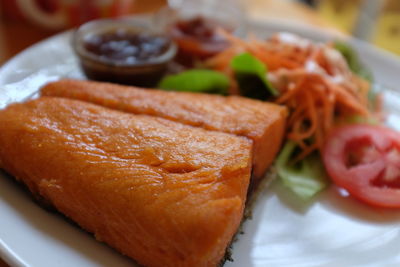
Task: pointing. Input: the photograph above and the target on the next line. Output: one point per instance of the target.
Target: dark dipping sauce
(124, 47)
(124, 55)
(198, 39)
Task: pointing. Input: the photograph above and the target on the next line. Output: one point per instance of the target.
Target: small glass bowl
(229, 13)
(145, 73)
(203, 17)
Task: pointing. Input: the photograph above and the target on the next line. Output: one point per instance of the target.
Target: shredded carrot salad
(313, 80)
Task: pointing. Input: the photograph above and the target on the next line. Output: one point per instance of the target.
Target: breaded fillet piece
(262, 122)
(163, 193)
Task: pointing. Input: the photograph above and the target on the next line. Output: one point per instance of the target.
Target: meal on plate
(164, 175)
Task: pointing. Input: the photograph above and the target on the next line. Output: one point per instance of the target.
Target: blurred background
(376, 21)
(25, 22)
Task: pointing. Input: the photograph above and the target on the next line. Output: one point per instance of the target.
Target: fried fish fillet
(262, 122)
(163, 193)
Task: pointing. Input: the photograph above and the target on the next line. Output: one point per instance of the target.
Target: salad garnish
(313, 80)
(365, 160)
(306, 177)
(324, 86)
(353, 61)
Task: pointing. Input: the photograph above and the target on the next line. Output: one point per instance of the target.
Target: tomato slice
(365, 160)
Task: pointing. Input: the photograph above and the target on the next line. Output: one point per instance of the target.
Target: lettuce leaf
(358, 68)
(353, 60)
(305, 178)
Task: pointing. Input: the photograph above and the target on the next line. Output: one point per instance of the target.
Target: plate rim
(9, 256)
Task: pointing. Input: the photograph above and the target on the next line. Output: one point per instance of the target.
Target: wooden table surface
(15, 36)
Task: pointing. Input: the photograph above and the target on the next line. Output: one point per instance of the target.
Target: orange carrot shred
(309, 85)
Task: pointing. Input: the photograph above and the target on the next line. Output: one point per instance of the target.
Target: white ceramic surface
(335, 230)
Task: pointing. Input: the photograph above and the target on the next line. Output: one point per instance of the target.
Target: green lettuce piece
(251, 75)
(353, 60)
(373, 96)
(358, 68)
(305, 178)
(357, 119)
(198, 81)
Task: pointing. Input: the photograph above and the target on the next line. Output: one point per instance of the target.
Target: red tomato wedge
(365, 160)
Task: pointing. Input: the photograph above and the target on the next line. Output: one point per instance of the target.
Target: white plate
(333, 231)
